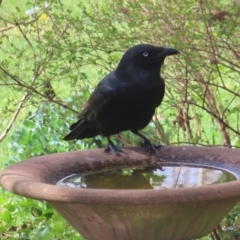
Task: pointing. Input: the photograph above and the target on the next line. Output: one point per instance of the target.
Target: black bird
(126, 98)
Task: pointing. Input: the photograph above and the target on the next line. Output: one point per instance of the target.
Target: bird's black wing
(161, 92)
(103, 94)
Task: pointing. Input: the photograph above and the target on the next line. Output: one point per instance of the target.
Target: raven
(126, 98)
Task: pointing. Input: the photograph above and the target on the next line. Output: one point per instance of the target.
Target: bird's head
(146, 56)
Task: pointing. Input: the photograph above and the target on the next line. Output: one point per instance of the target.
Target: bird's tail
(81, 129)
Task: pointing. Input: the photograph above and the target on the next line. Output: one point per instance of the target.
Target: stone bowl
(108, 214)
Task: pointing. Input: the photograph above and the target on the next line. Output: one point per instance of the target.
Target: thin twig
(4, 134)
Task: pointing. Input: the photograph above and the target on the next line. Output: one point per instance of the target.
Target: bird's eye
(145, 54)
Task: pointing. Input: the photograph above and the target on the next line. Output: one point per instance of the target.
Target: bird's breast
(131, 108)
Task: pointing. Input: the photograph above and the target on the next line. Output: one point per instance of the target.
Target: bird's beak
(164, 52)
(169, 51)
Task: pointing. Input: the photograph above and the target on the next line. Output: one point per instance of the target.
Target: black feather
(126, 98)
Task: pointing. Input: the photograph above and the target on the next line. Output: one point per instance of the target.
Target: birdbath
(100, 214)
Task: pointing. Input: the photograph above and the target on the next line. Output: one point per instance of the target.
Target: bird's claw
(113, 148)
(150, 146)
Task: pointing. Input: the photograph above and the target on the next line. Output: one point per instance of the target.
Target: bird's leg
(111, 147)
(147, 143)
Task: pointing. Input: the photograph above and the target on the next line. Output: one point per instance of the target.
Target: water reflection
(148, 178)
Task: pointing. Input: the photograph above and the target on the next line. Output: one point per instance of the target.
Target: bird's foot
(150, 146)
(112, 148)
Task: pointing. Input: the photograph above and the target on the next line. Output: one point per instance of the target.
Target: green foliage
(70, 45)
(75, 45)
(23, 218)
(26, 218)
(42, 132)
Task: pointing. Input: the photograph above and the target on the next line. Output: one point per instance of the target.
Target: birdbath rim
(36, 177)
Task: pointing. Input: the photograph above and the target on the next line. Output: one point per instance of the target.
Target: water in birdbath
(148, 178)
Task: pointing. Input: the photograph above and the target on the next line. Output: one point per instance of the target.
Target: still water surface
(148, 178)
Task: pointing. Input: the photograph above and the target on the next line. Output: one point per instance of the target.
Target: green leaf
(10, 207)
(7, 217)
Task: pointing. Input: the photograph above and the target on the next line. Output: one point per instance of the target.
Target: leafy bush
(36, 221)
(74, 46)
(63, 50)
(24, 218)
